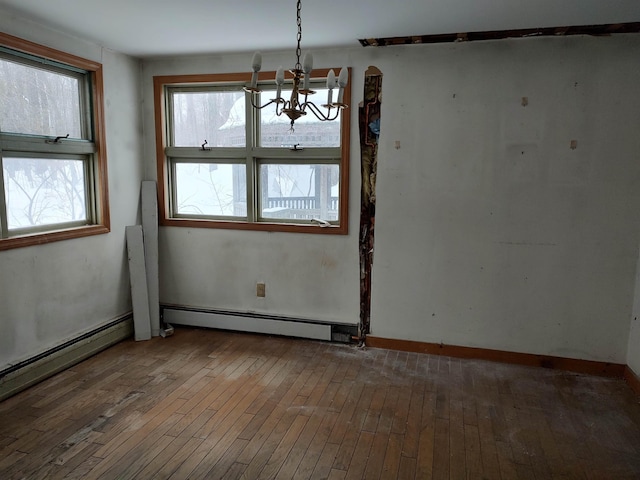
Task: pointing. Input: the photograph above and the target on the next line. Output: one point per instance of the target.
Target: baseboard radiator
(259, 323)
(26, 373)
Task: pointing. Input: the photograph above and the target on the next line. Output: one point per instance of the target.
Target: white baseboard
(258, 323)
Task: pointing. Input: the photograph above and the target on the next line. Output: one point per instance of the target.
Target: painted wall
(54, 292)
(308, 276)
(491, 231)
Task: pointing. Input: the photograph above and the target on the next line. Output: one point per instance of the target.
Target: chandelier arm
(274, 100)
(320, 115)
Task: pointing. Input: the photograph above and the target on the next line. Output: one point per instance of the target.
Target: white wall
(308, 276)
(54, 292)
(490, 230)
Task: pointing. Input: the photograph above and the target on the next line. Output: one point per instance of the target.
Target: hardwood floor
(204, 404)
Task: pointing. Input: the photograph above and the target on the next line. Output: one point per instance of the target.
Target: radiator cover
(259, 323)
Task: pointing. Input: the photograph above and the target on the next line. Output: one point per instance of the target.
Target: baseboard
(258, 323)
(632, 379)
(561, 363)
(33, 370)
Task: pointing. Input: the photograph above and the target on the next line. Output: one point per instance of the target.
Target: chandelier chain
(298, 105)
(299, 22)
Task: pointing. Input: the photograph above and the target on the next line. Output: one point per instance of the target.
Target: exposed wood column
(369, 120)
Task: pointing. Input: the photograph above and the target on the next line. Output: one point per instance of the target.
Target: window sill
(48, 237)
(261, 227)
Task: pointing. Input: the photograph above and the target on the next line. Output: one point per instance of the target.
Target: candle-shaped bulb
(307, 66)
(331, 83)
(279, 82)
(256, 65)
(343, 78)
(331, 80)
(307, 63)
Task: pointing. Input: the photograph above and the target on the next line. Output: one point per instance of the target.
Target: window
(225, 164)
(53, 183)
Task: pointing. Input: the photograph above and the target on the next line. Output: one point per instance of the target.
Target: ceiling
(147, 28)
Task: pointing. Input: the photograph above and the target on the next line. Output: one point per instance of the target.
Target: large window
(224, 164)
(52, 155)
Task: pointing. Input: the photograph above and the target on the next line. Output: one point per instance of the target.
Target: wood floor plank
(73, 467)
(360, 456)
(300, 446)
(426, 450)
(374, 410)
(205, 404)
(488, 451)
(141, 458)
(278, 418)
(325, 462)
(407, 467)
(317, 445)
(355, 392)
(209, 451)
(221, 468)
(505, 460)
(170, 455)
(473, 458)
(442, 452)
(377, 455)
(414, 423)
(277, 456)
(123, 442)
(353, 429)
(392, 457)
(219, 443)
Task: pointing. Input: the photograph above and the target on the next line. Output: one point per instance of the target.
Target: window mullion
(252, 132)
(171, 177)
(4, 231)
(91, 191)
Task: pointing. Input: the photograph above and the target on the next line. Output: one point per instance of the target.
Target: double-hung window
(224, 164)
(52, 155)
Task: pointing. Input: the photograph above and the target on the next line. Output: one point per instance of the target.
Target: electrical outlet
(260, 289)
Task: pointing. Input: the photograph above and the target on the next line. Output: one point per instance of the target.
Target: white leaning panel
(150, 230)
(138, 278)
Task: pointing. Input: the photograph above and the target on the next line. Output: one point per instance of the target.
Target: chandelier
(298, 104)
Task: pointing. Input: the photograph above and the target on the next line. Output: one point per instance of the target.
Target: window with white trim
(52, 171)
(224, 164)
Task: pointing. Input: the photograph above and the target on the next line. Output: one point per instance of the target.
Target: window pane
(211, 189)
(217, 117)
(38, 102)
(299, 191)
(308, 130)
(44, 191)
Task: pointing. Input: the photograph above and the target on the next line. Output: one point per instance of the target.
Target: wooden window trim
(103, 220)
(159, 83)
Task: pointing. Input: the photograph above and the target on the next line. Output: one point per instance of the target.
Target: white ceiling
(169, 27)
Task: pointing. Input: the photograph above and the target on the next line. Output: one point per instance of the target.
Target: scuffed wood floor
(205, 404)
